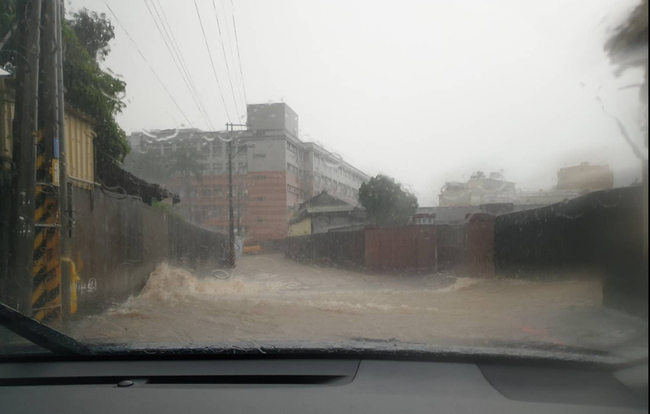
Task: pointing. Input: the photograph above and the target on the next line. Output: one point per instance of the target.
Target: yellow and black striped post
(46, 275)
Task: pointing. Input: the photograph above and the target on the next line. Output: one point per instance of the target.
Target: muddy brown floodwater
(269, 298)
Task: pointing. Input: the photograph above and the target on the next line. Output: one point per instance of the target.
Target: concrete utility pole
(231, 210)
(46, 298)
(24, 152)
(231, 219)
(64, 205)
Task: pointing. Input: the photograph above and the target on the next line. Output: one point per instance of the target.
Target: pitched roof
(323, 203)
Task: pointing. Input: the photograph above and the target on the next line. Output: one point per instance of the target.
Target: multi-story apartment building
(273, 172)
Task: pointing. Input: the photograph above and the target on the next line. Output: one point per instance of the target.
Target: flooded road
(269, 299)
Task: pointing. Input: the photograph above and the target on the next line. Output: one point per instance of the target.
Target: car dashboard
(305, 385)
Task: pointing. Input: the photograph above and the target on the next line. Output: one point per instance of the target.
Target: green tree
(94, 32)
(7, 21)
(89, 88)
(86, 38)
(386, 202)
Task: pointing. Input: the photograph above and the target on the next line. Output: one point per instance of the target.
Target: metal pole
(65, 209)
(231, 218)
(24, 152)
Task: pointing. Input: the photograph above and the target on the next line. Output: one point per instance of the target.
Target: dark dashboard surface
(310, 386)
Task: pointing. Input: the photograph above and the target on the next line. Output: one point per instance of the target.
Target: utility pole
(64, 207)
(231, 219)
(24, 152)
(46, 297)
(231, 211)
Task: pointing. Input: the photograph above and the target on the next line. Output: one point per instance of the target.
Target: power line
(225, 58)
(149, 64)
(225, 14)
(241, 71)
(174, 43)
(183, 67)
(176, 63)
(214, 71)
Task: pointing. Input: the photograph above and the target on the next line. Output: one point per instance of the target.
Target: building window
(293, 169)
(259, 177)
(241, 152)
(218, 191)
(213, 212)
(206, 192)
(261, 198)
(259, 155)
(293, 190)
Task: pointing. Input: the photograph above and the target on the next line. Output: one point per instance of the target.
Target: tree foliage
(94, 33)
(96, 93)
(386, 202)
(7, 20)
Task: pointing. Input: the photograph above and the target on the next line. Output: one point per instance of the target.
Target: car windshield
(391, 176)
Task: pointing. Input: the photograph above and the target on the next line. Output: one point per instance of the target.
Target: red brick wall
(263, 202)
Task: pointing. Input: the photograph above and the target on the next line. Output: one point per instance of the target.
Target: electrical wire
(241, 71)
(179, 54)
(149, 65)
(214, 71)
(225, 59)
(179, 65)
(176, 63)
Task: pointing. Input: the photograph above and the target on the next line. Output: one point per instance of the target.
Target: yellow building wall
(79, 135)
(302, 228)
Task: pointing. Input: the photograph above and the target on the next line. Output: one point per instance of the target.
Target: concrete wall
(116, 244)
(274, 116)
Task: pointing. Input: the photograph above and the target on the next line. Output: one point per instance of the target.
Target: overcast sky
(423, 90)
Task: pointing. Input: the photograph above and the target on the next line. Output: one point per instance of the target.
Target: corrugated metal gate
(407, 247)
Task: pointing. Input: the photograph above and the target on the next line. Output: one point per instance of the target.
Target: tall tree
(386, 202)
(89, 88)
(94, 32)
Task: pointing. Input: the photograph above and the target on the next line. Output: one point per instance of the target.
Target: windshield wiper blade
(40, 334)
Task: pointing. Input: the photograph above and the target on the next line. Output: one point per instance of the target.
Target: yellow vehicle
(252, 249)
